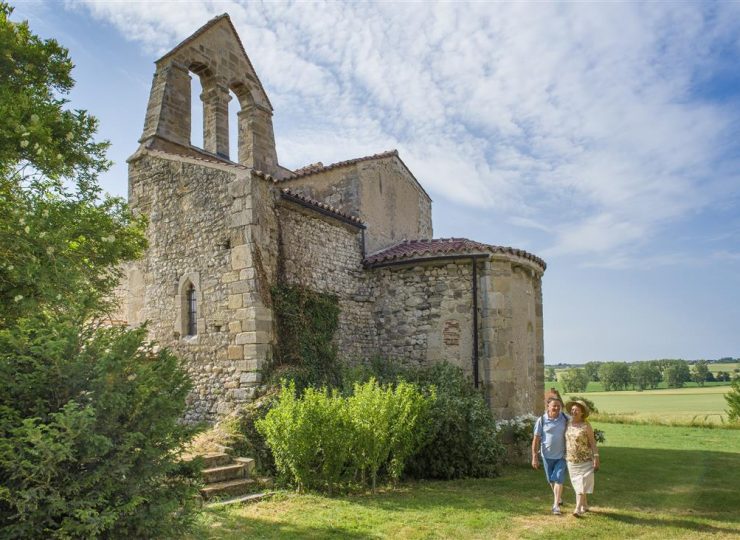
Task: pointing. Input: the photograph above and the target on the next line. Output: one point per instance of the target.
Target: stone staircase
(229, 480)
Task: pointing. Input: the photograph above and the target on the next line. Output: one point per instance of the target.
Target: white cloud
(573, 118)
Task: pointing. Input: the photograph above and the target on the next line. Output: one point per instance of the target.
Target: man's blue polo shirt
(552, 435)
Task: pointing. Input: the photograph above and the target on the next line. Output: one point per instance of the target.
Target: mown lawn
(656, 482)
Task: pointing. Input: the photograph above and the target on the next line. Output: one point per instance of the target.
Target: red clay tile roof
(411, 250)
(323, 208)
(314, 168)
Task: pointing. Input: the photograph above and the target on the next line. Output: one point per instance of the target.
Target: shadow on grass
(700, 484)
(638, 491)
(226, 525)
(641, 521)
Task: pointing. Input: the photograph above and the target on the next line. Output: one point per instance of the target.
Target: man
(548, 444)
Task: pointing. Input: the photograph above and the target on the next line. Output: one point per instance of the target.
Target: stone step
(243, 499)
(231, 488)
(215, 459)
(232, 471)
(248, 463)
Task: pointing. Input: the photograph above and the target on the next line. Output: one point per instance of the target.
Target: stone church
(223, 229)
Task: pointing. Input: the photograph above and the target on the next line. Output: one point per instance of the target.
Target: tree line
(637, 375)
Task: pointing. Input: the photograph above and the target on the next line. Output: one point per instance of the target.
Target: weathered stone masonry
(222, 233)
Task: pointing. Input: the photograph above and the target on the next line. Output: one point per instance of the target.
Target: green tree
(615, 375)
(676, 373)
(645, 375)
(700, 372)
(551, 376)
(574, 380)
(89, 430)
(592, 370)
(733, 401)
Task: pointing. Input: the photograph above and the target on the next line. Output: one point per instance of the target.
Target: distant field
(729, 367)
(683, 404)
(598, 387)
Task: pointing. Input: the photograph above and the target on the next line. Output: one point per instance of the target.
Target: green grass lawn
(705, 404)
(655, 482)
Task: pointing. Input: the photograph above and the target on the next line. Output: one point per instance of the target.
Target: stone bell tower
(214, 54)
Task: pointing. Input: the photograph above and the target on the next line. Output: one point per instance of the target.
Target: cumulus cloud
(580, 120)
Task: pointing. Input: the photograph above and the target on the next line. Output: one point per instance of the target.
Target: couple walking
(560, 439)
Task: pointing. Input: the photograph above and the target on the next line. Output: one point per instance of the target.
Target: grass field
(705, 404)
(594, 386)
(728, 367)
(655, 482)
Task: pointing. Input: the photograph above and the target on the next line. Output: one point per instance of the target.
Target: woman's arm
(594, 448)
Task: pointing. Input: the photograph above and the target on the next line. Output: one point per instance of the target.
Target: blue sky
(604, 138)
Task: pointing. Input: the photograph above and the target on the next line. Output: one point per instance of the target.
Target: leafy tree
(645, 375)
(592, 370)
(723, 376)
(89, 431)
(733, 401)
(700, 373)
(615, 375)
(551, 376)
(676, 373)
(574, 380)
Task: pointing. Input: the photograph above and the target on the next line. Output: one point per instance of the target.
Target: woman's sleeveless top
(577, 447)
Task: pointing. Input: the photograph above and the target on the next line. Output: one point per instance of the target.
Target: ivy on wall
(306, 323)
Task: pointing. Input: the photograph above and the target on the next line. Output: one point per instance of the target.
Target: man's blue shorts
(554, 470)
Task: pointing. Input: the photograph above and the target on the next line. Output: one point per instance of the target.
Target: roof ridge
(319, 167)
(322, 206)
(411, 250)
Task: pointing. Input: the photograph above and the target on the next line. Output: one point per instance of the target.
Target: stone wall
(201, 230)
(381, 192)
(424, 313)
(512, 339)
(325, 255)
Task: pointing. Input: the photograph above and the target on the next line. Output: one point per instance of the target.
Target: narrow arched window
(192, 311)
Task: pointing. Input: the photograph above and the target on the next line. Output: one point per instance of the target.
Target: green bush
(90, 435)
(462, 440)
(309, 437)
(733, 401)
(389, 425)
(325, 441)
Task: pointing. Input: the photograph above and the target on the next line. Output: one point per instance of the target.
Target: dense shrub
(462, 439)
(89, 435)
(324, 440)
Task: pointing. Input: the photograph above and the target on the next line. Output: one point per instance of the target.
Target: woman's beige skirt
(582, 476)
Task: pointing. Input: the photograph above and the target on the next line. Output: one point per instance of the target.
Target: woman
(549, 441)
(581, 454)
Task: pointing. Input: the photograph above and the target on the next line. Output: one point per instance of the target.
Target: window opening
(196, 111)
(192, 311)
(234, 109)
